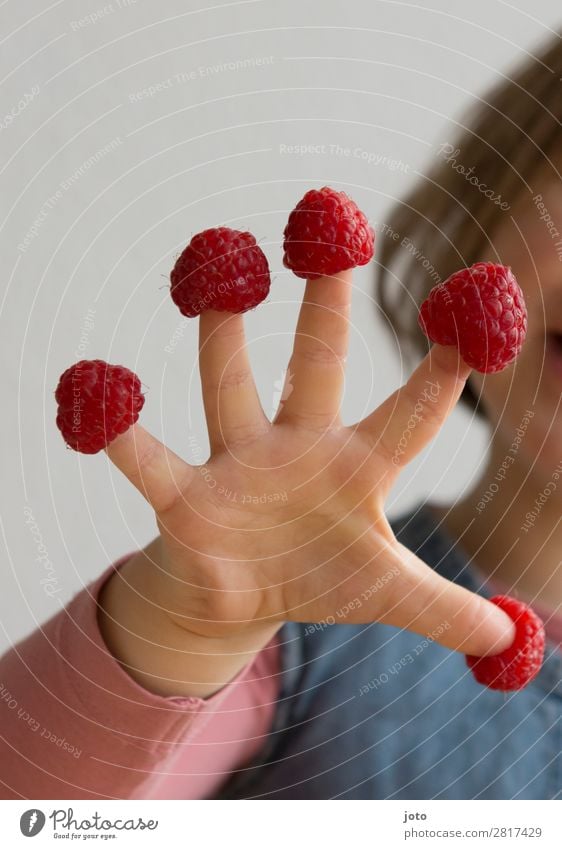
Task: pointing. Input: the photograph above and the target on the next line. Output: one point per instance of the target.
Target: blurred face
(534, 382)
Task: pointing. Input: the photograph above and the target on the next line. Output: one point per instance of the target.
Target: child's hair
(449, 218)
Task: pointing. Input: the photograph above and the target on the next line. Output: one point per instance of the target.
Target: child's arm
(74, 725)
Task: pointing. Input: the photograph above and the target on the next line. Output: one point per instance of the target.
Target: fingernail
(504, 629)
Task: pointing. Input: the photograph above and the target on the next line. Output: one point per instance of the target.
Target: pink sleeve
(74, 725)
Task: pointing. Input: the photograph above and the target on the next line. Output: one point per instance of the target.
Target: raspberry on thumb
(517, 665)
(96, 402)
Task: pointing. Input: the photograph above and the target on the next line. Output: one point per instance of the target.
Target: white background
(390, 78)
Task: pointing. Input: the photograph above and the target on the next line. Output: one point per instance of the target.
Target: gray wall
(124, 133)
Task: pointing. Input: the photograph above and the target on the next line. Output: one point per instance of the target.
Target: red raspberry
(221, 269)
(481, 311)
(514, 667)
(97, 402)
(326, 233)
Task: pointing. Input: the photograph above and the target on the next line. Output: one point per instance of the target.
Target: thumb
(425, 602)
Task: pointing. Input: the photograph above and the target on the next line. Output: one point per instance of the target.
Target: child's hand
(286, 522)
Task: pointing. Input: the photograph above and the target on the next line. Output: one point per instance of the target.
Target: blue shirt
(373, 712)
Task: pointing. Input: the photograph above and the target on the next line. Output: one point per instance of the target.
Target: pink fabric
(74, 725)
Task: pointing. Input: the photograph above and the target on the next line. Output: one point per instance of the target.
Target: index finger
(158, 473)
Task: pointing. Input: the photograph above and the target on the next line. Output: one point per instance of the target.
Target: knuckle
(321, 355)
(145, 457)
(234, 379)
(422, 406)
(312, 422)
(385, 446)
(237, 436)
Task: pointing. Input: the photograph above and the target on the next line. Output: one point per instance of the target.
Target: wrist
(164, 656)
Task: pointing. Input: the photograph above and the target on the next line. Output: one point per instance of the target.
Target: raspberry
(97, 402)
(326, 233)
(220, 269)
(481, 310)
(513, 668)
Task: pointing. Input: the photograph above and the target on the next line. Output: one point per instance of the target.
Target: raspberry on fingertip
(481, 311)
(326, 233)
(221, 269)
(516, 666)
(96, 401)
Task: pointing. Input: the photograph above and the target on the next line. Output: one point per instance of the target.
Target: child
(189, 670)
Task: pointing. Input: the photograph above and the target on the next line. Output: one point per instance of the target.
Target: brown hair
(451, 214)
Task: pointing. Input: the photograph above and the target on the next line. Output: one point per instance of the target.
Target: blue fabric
(372, 712)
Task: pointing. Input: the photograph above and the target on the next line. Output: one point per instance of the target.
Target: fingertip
(499, 630)
(115, 448)
(481, 628)
(343, 276)
(327, 287)
(448, 359)
(216, 321)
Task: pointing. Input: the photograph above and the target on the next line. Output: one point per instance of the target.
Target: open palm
(286, 520)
